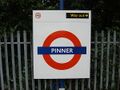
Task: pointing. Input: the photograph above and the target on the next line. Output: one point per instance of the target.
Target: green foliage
(17, 14)
(104, 13)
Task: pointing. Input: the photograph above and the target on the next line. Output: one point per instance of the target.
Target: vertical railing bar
(95, 64)
(101, 62)
(76, 84)
(13, 61)
(19, 60)
(1, 70)
(39, 84)
(119, 66)
(50, 84)
(118, 84)
(26, 61)
(82, 85)
(108, 52)
(89, 80)
(6, 61)
(45, 83)
(33, 81)
(114, 55)
(70, 85)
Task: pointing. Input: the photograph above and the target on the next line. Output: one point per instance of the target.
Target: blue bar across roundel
(61, 50)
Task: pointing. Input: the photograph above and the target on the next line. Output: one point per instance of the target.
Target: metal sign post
(61, 86)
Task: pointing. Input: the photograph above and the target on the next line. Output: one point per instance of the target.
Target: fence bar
(51, 84)
(95, 64)
(70, 85)
(39, 84)
(119, 75)
(19, 60)
(26, 61)
(114, 57)
(108, 54)
(13, 61)
(33, 81)
(1, 71)
(6, 62)
(101, 62)
(119, 66)
(45, 84)
(89, 80)
(16, 43)
(76, 84)
(82, 85)
(98, 42)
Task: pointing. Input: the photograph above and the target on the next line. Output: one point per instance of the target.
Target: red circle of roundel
(50, 39)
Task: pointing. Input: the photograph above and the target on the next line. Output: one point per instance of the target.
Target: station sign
(61, 44)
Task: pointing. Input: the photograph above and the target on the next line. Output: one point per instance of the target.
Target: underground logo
(76, 50)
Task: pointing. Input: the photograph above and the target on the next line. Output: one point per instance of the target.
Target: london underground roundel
(46, 50)
(61, 44)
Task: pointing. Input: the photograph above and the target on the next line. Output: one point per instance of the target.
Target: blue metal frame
(61, 4)
(61, 82)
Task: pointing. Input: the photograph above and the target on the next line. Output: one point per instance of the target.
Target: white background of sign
(49, 22)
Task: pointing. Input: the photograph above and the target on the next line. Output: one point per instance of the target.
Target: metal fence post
(1, 71)
(119, 67)
(13, 61)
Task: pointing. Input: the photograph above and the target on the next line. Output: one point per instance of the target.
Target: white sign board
(61, 44)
